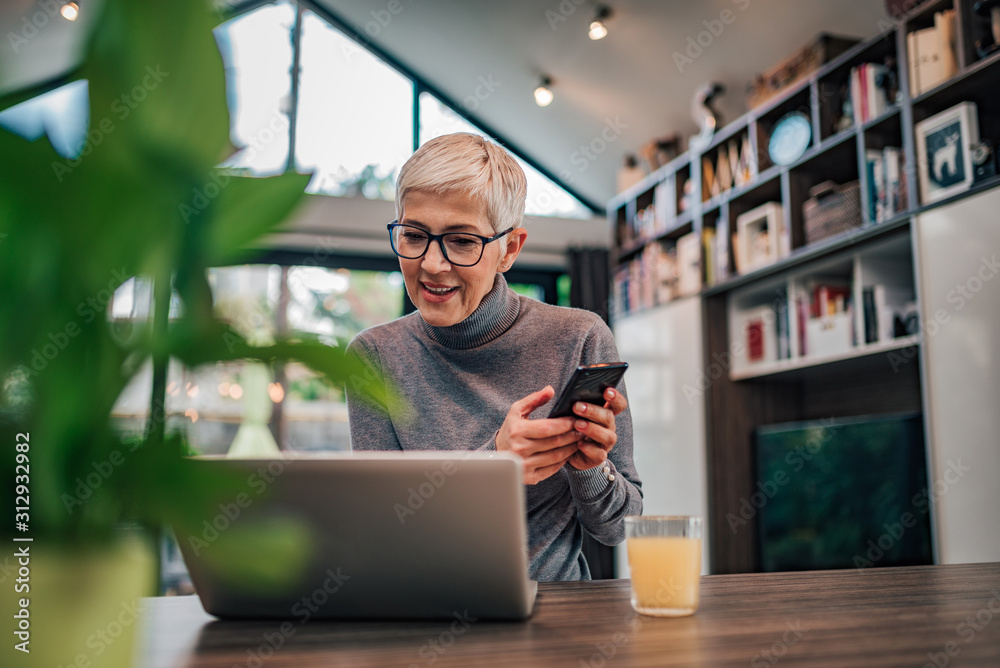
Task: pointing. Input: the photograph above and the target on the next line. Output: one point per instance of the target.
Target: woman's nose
(434, 261)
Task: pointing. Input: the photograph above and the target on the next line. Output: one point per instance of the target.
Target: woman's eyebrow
(454, 227)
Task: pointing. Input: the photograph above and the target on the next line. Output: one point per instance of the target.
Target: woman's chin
(438, 315)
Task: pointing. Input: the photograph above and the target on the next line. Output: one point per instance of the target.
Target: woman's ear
(515, 242)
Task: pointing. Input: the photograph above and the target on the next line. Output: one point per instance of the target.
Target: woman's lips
(437, 294)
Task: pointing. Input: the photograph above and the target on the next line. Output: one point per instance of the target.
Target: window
(545, 197)
(256, 48)
(63, 114)
(209, 404)
(355, 115)
(353, 111)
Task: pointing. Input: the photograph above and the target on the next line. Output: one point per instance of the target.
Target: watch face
(790, 138)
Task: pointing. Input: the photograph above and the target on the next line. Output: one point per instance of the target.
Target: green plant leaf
(246, 209)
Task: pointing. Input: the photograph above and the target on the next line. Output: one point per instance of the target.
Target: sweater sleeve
(606, 494)
(370, 423)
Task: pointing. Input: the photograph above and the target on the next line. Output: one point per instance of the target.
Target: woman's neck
(494, 316)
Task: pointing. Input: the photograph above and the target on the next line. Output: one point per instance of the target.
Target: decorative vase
(75, 606)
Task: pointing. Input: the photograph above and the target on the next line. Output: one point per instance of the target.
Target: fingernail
(581, 425)
(581, 407)
(611, 393)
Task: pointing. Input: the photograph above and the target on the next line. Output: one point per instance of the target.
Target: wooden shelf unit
(864, 379)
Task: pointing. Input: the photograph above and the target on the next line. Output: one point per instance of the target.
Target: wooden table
(919, 616)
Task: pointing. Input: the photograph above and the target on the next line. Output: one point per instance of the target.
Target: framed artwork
(760, 233)
(944, 151)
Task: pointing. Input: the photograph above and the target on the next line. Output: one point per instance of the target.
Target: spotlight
(597, 28)
(543, 94)
(70, 11)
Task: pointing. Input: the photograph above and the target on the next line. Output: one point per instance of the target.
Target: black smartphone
(588, 384)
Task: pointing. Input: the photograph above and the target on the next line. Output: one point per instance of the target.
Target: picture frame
(761, 237)
(944, 151)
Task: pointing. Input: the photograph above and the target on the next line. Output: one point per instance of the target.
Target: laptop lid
(382, 535)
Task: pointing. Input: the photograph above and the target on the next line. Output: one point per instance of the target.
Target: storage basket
(832, 209)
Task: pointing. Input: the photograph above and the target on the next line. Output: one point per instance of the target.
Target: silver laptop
(383, 535)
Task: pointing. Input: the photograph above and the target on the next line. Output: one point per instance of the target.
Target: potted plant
(71, 231)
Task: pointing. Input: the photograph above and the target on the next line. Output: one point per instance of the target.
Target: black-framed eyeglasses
(459, 248)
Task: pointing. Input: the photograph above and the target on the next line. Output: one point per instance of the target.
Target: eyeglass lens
(410, 242)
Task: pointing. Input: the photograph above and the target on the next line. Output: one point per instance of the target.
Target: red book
(755, 340)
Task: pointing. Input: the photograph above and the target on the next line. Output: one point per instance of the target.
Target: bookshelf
(813, 368)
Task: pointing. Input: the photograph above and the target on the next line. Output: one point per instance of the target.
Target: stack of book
(732, 166)
(715, 243)
(661, 272)
(931, 53)
(882, 305)
(886, 176)
(869, 91)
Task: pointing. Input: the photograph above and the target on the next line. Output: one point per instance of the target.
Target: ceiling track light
(70, 11)
(597, 28)
(543, 94)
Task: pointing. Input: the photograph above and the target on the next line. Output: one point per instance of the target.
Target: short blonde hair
(467, 163)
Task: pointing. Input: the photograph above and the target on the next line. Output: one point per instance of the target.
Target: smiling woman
(476, 360)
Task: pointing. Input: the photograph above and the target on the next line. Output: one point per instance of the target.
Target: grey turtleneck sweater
(460, 382)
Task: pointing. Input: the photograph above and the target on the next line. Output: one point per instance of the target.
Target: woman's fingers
(598, 414)
(616, 401)
(599, 434)
(551, 457)
(595, 454)
(537, 475)
(522, 408)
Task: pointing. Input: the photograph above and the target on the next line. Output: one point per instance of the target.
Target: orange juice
(665, 574)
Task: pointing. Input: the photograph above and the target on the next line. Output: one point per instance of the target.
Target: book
(722, 245)
(913, 57)
(856, 97)
(869, 314)
(723, 173)
(883, 313)
(708, 184)
(875, 161)
(688, 264)
(944, 22)
(801, 318)
(759, 333)
(895, 195)
(733, 150)
(863, 91)
(929, 66)
(783, 330)
(708, 249)
(749, 166)
(663, 200)
(829, 299)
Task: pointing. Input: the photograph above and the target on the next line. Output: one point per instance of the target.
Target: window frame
(420, 85)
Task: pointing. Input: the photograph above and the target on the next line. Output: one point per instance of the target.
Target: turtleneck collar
(494, 316)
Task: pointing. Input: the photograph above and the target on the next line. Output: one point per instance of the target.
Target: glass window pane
(545, 197)
(63, 114)
(256, 48)
(355, 115)
(209, 404)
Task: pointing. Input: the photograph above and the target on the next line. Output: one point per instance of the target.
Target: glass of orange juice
(664, 557)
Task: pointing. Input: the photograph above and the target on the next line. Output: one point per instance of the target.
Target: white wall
(663, 347)
(324, 224)
(959, 249)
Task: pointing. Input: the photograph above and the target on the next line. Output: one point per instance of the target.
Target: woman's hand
(545, 445)
(597, 426)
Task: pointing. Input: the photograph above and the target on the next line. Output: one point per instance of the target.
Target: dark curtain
(590, 279)
(590, 285)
